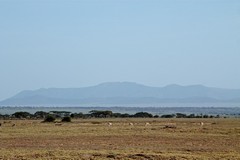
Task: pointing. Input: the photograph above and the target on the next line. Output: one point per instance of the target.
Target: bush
(40, 114)
(101, 114)
(49, 118)
(181, 115)
(22, 115)
(77, 115)
(143, 115)
(66, 119)
(168, 116)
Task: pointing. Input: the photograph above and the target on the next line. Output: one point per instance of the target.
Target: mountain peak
(173, 86)
(119, 84)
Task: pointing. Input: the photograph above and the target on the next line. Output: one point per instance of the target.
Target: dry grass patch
(94, 139)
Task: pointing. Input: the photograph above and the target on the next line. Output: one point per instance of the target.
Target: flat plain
(130, 138)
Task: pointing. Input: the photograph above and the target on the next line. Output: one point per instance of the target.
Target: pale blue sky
(71, 43)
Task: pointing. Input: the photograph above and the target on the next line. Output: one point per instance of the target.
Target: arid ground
(124, 139)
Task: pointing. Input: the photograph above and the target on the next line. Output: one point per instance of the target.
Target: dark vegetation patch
(66, 119)
(49, 118)
(67, 116)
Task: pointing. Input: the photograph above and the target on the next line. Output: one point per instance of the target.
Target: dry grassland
(94, 139)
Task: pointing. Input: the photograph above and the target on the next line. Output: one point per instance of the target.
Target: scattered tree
(40, 114)
(181, 115)
(143, 115)
(22, 115)
(101, 114)
(168, 116)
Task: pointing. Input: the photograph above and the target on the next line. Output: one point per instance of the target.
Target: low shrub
(49, 118)
(66, 119)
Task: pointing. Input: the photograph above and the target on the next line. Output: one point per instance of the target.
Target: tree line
(98, 114)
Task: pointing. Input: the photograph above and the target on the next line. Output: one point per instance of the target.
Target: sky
(78, 43)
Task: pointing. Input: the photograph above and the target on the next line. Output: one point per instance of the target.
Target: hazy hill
(119, 93)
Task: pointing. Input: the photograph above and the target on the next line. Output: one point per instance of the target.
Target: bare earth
(94, 139)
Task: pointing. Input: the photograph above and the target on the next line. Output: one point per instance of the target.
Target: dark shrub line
(66, 116)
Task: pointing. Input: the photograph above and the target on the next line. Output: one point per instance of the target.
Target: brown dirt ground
(94, 139)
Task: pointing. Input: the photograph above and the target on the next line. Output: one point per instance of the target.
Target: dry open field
(94, 139)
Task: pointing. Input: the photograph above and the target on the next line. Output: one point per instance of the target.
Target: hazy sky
(76, 43)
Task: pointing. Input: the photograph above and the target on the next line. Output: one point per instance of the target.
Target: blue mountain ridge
(120, 93)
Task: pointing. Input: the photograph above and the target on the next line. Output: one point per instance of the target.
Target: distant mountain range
(122, 93)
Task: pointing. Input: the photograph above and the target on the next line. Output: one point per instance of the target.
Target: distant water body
(228, 111)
